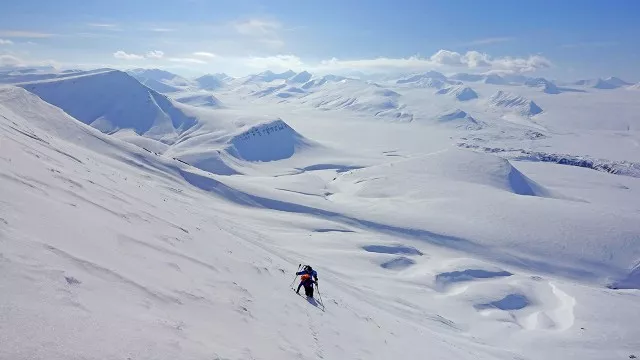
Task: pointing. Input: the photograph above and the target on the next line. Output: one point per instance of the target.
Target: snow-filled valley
(144, 215)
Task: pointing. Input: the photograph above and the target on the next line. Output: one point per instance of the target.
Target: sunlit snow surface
(172, 229)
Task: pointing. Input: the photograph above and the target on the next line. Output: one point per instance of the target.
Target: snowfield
(148, 216)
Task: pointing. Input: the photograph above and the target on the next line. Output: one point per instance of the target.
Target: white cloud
(104, 25)
(489, 41)
(162, 29)
(126, 56)
(277, 62)
(155, 54)
(24, 34)
(443, 60)
(187, 60)
(6, 42)
(446, 57)
(205, 54)
(257, 27)
(265, 32)
(10, 60)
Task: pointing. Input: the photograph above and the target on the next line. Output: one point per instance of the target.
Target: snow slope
(160, 80)
(187, 249)
(111, 101)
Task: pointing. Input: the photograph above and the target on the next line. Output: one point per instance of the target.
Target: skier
(308, 278)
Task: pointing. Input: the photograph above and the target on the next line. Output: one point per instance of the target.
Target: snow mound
(112, 100)
(460, 118)
(202, 100)
(398, 263)
(461, 93)
(635, 86)
(300, 78)
(406, 178)
(515, 102)
(267, 141)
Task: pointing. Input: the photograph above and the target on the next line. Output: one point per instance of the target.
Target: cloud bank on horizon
(197, 36)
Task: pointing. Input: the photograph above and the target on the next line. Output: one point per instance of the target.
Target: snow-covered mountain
(212, 82)
(112, 101)
(516, 102)
(160, 80)
(461, 93)
(607, 84)
(468, 218)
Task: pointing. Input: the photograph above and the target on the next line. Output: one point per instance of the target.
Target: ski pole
(319, 294)
(294, 279)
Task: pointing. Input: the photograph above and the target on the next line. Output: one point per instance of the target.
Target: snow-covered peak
(300, 78)
(113, 100)
(460, 92)
(616, 81)
(210, 82)
(495, 80)
(418, 77)
(546, 85)
(515, 102)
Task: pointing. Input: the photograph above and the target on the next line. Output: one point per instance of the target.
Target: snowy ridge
(201, 100)
(625, 168)
(111, 101)
(515, 102)
(211, 82)
(461, 93)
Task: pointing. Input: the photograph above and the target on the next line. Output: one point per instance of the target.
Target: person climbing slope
(308, 277)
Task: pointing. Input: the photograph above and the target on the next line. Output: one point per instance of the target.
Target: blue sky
(566, 39)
